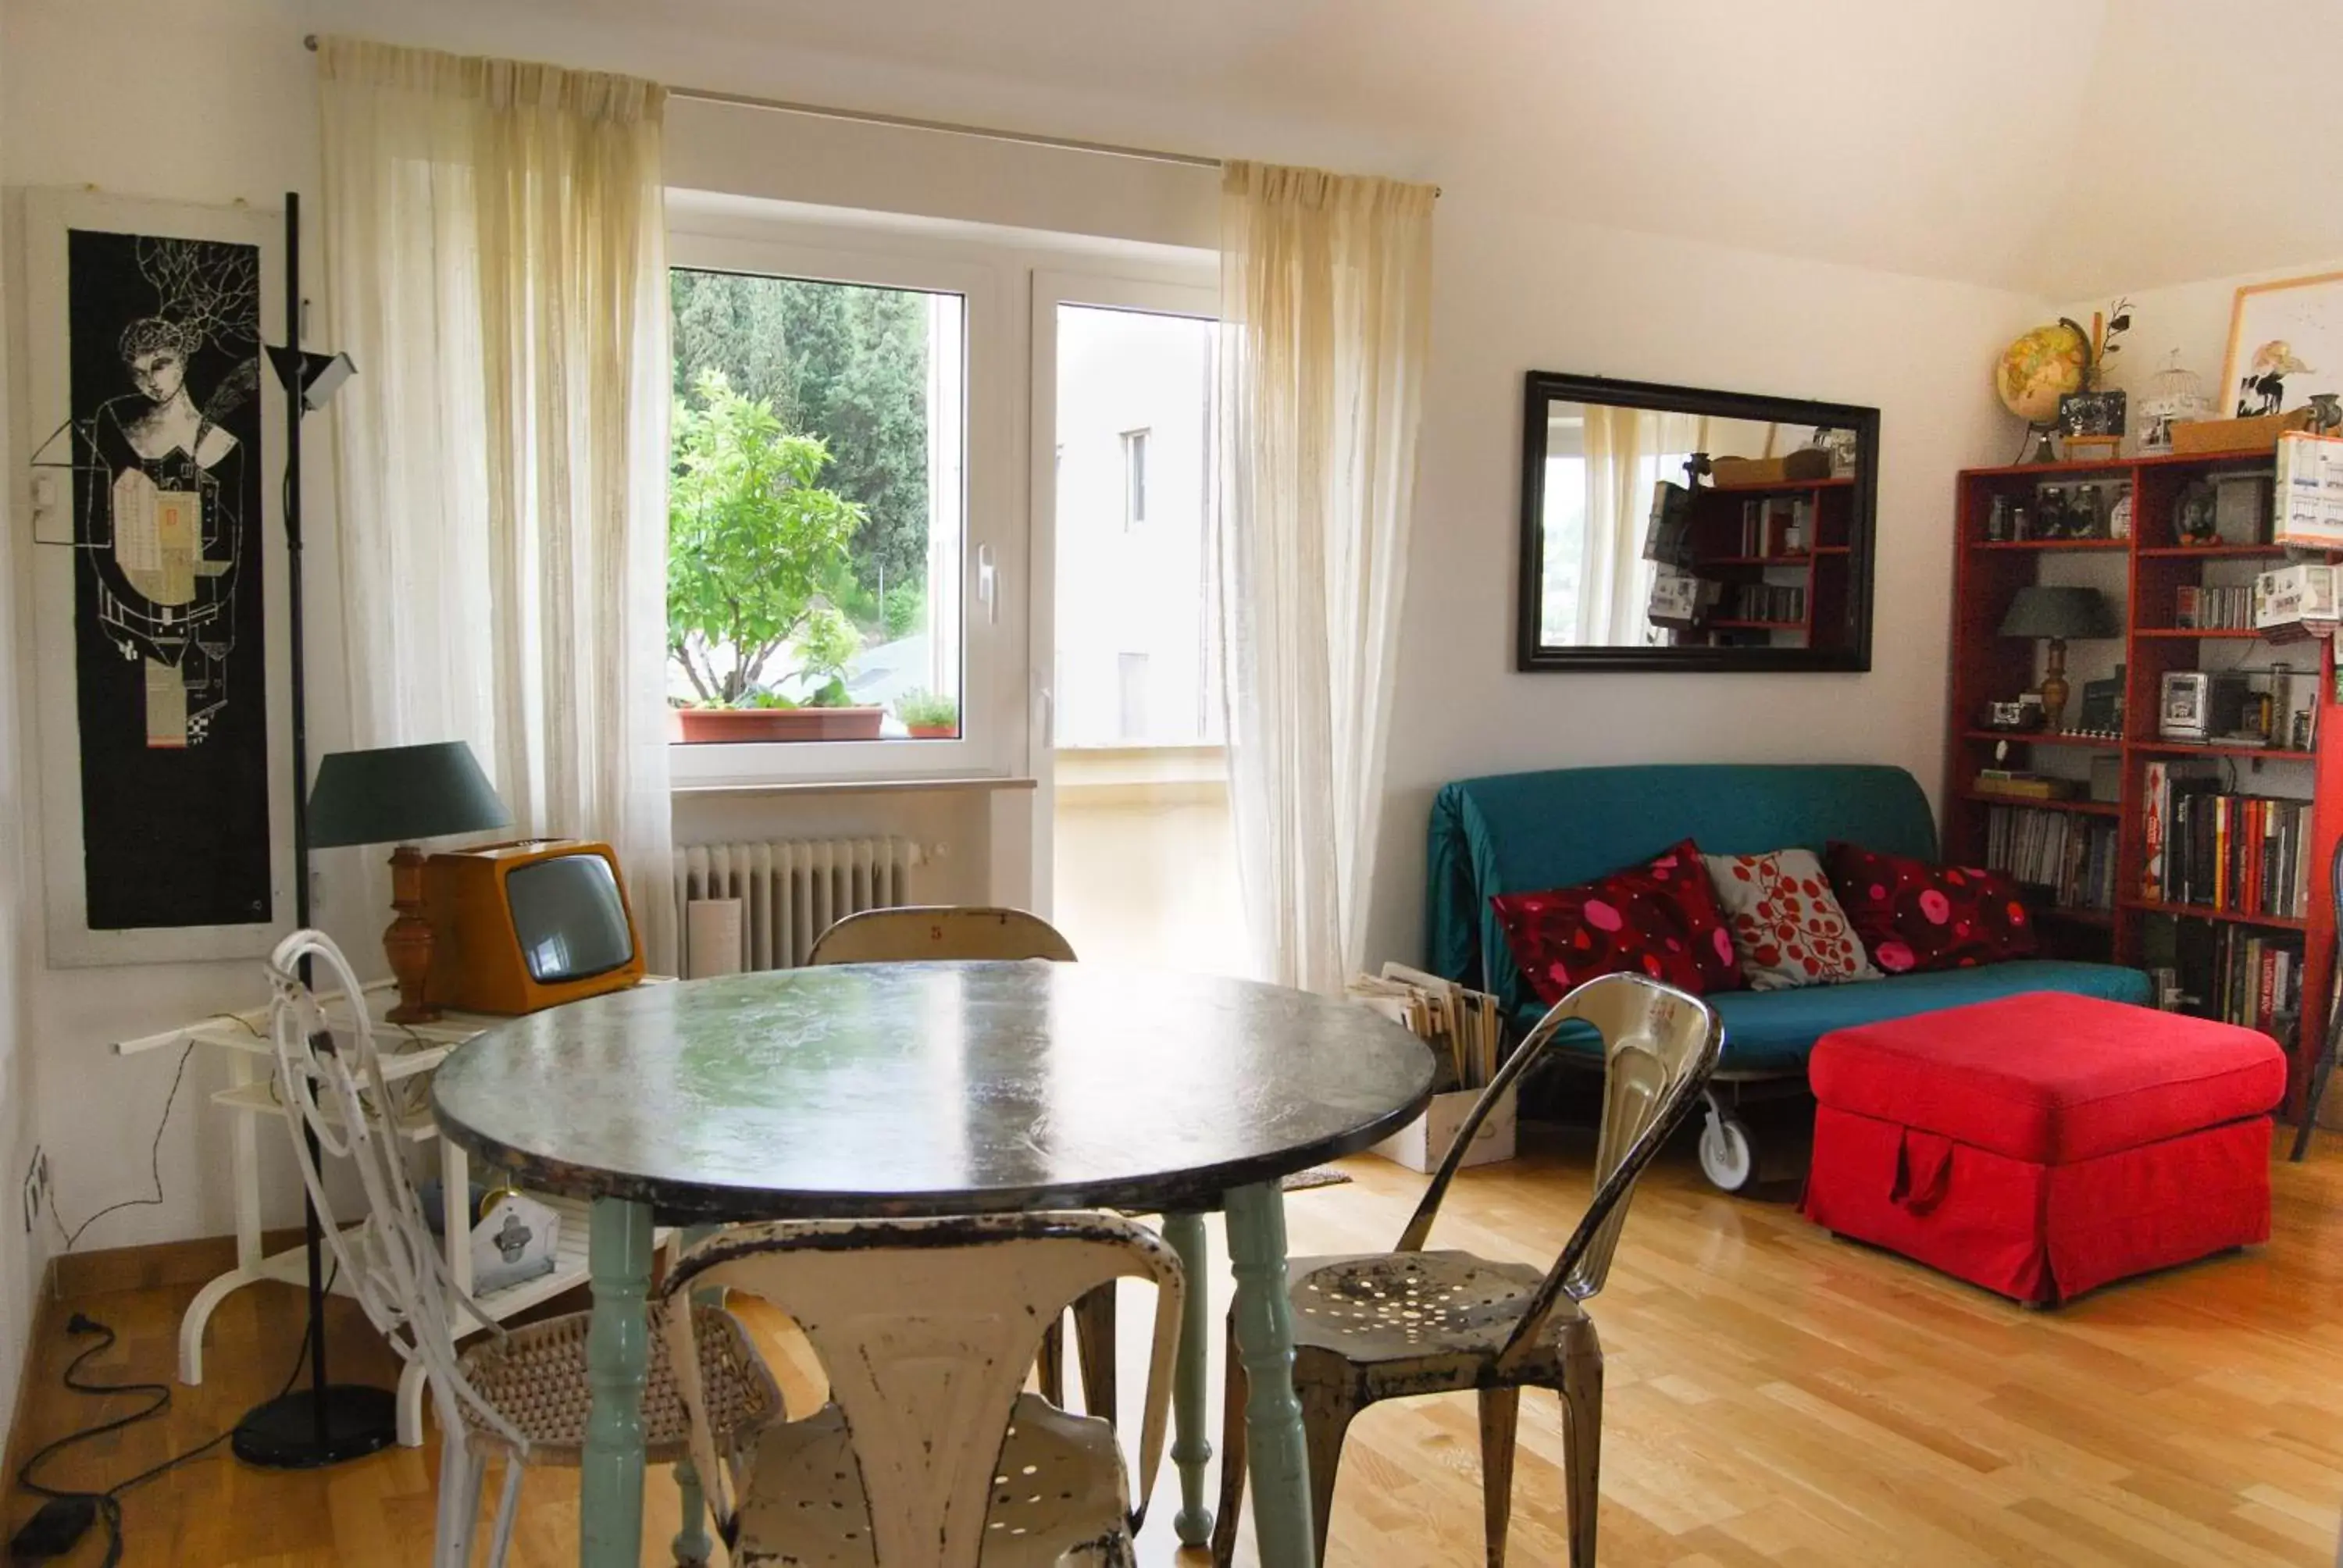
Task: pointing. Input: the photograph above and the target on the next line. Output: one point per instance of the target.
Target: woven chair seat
(536, 1375)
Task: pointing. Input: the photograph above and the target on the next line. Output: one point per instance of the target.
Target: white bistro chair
(521, 1393)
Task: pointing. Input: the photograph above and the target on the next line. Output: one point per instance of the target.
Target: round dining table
(886, 1090)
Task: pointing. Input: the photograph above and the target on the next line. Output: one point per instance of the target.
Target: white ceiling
(2065, 148)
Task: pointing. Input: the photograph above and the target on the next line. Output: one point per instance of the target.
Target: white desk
(410, 1052)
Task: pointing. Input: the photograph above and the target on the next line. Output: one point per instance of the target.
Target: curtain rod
(942, 127)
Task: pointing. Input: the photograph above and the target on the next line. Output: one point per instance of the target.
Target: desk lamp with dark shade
(396, 795)
(2058, 615)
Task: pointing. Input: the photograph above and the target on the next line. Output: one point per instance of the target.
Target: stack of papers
(1464, 1027)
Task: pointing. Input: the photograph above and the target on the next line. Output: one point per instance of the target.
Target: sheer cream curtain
(1628, 450)
(494, 248)
(1325, 312)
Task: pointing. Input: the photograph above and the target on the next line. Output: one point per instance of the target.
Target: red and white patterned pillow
(1787, 927)
(1659, 919)
(1914, 916)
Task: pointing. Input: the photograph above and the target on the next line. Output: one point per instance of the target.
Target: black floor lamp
(325, 1423)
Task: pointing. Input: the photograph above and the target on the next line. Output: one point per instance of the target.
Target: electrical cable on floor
(154, 1162)
(68, 1513)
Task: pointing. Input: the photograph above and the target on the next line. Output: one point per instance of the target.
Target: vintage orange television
(527, 925)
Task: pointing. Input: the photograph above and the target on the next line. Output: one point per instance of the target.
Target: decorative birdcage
(2173, 395)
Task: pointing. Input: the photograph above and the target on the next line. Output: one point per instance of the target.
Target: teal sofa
(1521, 832)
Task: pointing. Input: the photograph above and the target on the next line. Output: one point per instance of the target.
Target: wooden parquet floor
(1774, 1397)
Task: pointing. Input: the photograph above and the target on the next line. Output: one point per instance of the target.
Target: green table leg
(1190, 1450)
(1279, 1455)
(692, 1545)
(617, 1357)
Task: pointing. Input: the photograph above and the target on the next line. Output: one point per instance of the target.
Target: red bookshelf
(1725, 549)
(2140, 575)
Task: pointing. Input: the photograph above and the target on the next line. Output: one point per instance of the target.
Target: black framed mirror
(1672, 527)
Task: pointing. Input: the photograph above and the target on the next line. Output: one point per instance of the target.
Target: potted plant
(929, 715)
(752, 539)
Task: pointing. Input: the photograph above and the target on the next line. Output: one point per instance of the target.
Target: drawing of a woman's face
(159, 373)
(155, 351)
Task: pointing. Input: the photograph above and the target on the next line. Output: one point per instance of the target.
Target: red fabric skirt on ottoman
(2045, 1144)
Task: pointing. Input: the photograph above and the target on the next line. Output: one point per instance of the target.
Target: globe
(2041, 367)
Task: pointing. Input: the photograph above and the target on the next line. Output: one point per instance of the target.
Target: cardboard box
(1794, 468)
(2309, 491)
(2256, 433)
(2295, 601)
(1423, 1143)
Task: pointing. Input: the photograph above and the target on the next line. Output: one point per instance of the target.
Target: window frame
(993, 739)
(1136, 444)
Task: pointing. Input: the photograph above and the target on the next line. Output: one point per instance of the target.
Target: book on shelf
(1766, 601)
(1776, 526)
(2195, 608)
(2070, 858)
(2238, 975)
(2241, 854)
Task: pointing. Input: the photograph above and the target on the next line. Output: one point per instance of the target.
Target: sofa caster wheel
(1727, 1157)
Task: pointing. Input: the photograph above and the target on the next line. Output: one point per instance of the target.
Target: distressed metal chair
(940, 933)
(522, 1393)
(1393, 1325)
(946, 934)
(929, 1454)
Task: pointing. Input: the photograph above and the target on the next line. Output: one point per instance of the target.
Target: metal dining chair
(927, 1455)
(944, 933)
(1393, 1325)
(523, 1392)
(2324, 1068)
(938, 933)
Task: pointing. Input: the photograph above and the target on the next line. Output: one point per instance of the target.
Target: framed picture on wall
(2285, 344)
(158, 579)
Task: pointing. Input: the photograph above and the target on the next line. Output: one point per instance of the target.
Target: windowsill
(852, 786)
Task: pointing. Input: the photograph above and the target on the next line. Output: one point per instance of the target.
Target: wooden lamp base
(408, 942)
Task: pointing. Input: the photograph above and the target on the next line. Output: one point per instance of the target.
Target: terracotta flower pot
(707, 725)
(934, 731)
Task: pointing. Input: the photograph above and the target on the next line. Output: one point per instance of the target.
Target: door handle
(987, 585)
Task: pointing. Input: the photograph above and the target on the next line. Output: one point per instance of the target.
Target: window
(1130, 696)
(1132, 408)
(1134, 477)
(816, 510)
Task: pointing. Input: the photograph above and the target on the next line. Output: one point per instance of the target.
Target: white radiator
(790, 891)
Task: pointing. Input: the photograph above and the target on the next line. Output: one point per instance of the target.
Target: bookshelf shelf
(1797, 560)
(2205, 912)
(2079, 807)
(2189, 748)
(2076, 915)
(1758, 625)
(2045, 737)
(2041, 545)
(2212, 552)
(2140, 577)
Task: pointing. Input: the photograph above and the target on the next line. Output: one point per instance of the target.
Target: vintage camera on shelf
(2022, 715)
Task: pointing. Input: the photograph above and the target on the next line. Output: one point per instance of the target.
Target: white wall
(240, 126)
(2191, 317)
(230, 115)
(21, 1255)
(1512, 296)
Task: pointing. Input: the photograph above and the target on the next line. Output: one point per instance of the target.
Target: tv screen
(569, 917)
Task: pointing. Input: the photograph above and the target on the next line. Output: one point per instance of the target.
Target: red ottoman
(2045, 1144)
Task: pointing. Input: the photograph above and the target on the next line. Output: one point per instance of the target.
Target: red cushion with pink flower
(1914, 916)
(1660, 919)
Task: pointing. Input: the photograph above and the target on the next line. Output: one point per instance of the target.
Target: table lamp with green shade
(2058, 614)
(396, 795)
